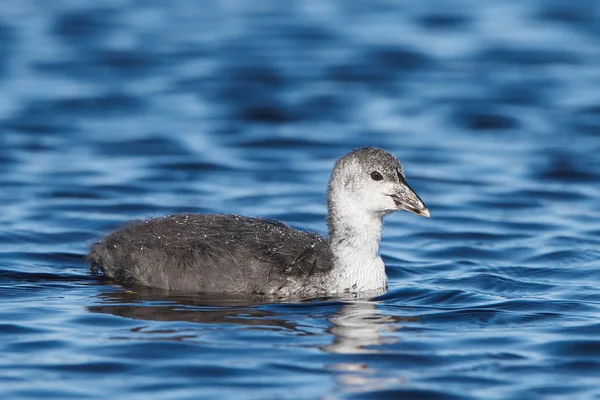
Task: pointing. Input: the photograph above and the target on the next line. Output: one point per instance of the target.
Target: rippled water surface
(123, 109)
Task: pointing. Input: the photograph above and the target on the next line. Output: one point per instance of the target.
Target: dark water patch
(440, 298)
(244, 81)
(380, 67)
(391, 394)
(322, 107)
(131, 64)
(7, 47)
(461, 252)
(580, 367)
(399, 59)
(124, 208)
(114, 190)
(575, 15)
(456, 181)
(6, 161)
(580, 349)
(476, 344)
(255, 88)
(36, 120)
(484, 119)
(562, 278)
(528, 57)
(579, 330)
(586, 120)
(216, 372)
(486, 318)
(28, 238)
(147, 350)
(91, 368)
(130, 210)
(269, 112)
(445, 21)
(557, 389)
(474, 236)
(99, 105)
(279, 143)
(310, 33)
(34, 346)
(401, 356)
(160, 145)
(490, 283)
(565, 258)
(298, 368)
(48, 257)
(195, 167)
(551, 308)
(112, 65)
(75, 176)
(509, 202)
(518, 225)
(29, 144)
(24, 285)
(13, 329)
(555, 194)
(463, 382)
(565, 169)
(74, 194)
(523, 93)
(84, 27)
(49, 393)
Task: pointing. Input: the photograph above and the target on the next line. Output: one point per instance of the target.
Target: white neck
(354, 236)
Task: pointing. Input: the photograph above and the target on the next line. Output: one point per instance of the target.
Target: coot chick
(237, 254)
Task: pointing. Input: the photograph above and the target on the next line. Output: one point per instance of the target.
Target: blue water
(124, 109)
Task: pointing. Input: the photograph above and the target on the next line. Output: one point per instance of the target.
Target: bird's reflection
(149, 304)
(358, 327)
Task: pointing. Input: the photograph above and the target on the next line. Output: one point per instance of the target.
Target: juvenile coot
(237, 254)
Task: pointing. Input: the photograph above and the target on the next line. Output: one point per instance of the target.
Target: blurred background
(120, 109)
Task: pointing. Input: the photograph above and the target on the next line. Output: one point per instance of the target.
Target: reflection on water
(356, 326)
(245, 309)
(157, 305)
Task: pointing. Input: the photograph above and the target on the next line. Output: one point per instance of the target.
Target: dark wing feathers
(212, 253)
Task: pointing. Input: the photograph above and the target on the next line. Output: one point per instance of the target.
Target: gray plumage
(230, 253)
(212, 253)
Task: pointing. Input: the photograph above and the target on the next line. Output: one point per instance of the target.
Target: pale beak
(407, 199)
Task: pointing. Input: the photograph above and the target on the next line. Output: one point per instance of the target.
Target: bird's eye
(376, 176)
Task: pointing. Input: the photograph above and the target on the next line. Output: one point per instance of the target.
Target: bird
(226, 253)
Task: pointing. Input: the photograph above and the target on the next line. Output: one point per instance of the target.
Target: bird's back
(214, 253)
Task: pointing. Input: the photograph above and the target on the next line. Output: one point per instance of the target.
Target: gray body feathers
(215, 253)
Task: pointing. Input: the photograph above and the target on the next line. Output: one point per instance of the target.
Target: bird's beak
(407, 199)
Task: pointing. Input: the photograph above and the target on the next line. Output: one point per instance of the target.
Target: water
(130, 109)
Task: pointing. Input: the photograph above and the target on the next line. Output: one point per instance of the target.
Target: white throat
(354, 234)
